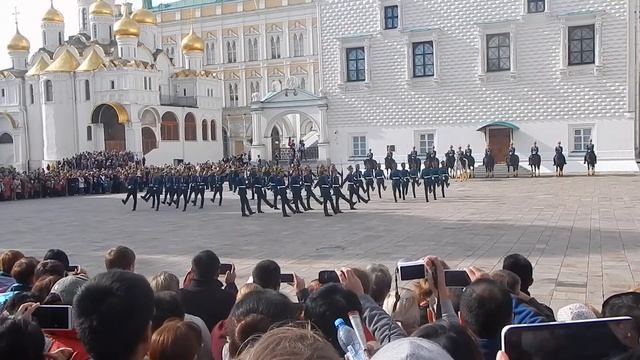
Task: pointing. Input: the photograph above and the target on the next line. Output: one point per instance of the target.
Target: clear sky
(29, 18)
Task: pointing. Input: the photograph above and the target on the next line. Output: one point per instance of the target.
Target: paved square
(581, 233)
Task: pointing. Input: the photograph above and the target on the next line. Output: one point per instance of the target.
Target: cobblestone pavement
(581, 233)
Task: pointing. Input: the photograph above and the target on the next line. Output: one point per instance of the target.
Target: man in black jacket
(205, 296)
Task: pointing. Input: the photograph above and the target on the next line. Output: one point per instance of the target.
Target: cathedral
(196, 80)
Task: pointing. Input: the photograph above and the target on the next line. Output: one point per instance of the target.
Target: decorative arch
(10, 119)
(169, 129)
(149, 140)
(214, 131)
(149, 116)
(306, 127)
(112, 116)
(285, 125)
(190, 131)
(6, 138)
(205, 130)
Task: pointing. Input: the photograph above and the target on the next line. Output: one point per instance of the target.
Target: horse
(371, 163)
(534, 164)
(513, 161)
(559, 161)
(471, 165)
(450, 162)
(489, 164)
(590, 159)
(460, 170)
(389, 163)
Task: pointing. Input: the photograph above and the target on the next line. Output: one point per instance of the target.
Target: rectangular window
(87, 90)
(113, 84)
(581, 137)
(391, 17)
(359, 146)
(423, 59)
(3, 93)
(425, 142)
(356, 64)
(498, 52)
(582, 45)
(536, 6)
(31, 94)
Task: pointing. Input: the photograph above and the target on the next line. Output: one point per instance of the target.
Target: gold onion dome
(53, 15)
(66, 62)
(100, 8)
(144, 17)
(192, 42)
(18, 43)
(126, 26)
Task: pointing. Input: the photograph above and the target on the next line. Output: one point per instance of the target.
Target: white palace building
(194, 80)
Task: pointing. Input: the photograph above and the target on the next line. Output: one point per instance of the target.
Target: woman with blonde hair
(291, 343)
(404, 308)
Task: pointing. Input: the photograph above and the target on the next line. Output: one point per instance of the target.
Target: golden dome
(100, 8)
(66, 62)
(91, 62)
(18, 43)
(126, 26)
(192, 42)
(40, 66)
(144, 16)
(53, 15)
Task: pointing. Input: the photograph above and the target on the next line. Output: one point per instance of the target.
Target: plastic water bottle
(349, 341)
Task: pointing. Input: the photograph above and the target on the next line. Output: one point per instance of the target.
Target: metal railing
(186, 101)
(285, 154)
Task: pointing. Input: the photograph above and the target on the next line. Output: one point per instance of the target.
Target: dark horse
(372, 164)
(513, 162)
(450, 162)
(389, 163)
(471, 164)
(534, 164)
(559, 161)
(489, 163)
(591, 160)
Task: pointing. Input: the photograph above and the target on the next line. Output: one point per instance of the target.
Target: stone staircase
(500, 171)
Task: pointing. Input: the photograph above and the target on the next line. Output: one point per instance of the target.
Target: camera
(412, 270)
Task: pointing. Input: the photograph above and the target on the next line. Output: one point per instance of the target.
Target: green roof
(181, 4)
(503, 124)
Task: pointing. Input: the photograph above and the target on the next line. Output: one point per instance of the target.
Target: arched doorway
(149, 140)
(7, 155)
(275, 142)
(225, 143)
(169, 127)
(112, 117)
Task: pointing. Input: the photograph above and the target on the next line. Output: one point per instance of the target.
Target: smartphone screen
(583, 340)
(53, 317)
(328, 277)
(224, 268)
(456, 278)
(286, 278)
(412, 272)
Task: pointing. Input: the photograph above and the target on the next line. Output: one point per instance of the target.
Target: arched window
(205, 131)
(214, 132)
(94, 31)
(84, 19)
(6, 138)
(256, 53)
(59, 38)
(169, 127)
(275, 46)
(31, 94)
(299, 49)
(48, 90)
(44, 38)
(231, 51)
(190, 133)
(89, 134)
(87, 90)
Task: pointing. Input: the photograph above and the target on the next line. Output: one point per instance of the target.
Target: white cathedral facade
(194, 81)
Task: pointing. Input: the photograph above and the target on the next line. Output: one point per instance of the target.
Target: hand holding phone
(412, 270)
(53, 317)
(229, 272)
(287, 278)
(328, 277)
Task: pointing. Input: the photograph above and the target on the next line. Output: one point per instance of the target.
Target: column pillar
(323, 139)
(285, 31)
(257, 146)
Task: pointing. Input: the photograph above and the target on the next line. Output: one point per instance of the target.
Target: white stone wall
(539, 97)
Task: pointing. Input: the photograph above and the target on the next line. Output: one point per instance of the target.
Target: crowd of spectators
(119, 314)
(97, 172)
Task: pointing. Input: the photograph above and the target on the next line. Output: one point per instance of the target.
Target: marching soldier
(184, 190)
(295, 185)
(213, 179)
(241, 183)
(252, 180)
(157, 183)
(281, 187)
(352, 186)
(259, 184)
(337, 191)
(427, 179)
(132, 190)
(194, 187)
(358, 181)
(274, 187)
(444, 177)
(168, 187)
(380, 177)
(414, 174)
(404, 173)
(308, 187)
(202, 187)
(368, 181)
(396, 183)
(325, 191)
(219, 187)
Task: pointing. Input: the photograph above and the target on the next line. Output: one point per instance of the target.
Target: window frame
(362, 150)
(347, 42)
(528, 4)
(426, 134)
(89, 133)
(583, 140)
(48, 91)
(414, 46)
(357, 60)
(570, 30)
(499, 47)
(395, 19)
(87, 90)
